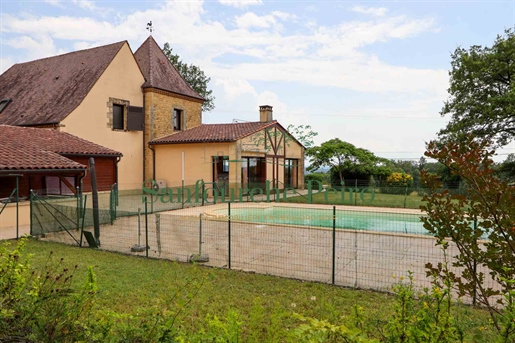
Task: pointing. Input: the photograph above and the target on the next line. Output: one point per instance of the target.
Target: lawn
(412, 200)
(132, 284)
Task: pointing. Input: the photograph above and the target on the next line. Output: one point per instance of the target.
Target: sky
(372, 73)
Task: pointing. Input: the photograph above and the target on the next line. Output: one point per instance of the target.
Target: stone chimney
(265, 114)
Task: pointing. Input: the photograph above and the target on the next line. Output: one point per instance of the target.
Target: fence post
(229, 234)
(405, 195)
(203, 190)
(355, 258)
(17, 207)
(116, 202)
(83, 216)
(334, 244)
(182, 194)
(356, 194)
(94, 194)
(158, 233)
(474, 294)
(200, 236)
(146, 227)
(31, 212)
(111, 205)
(78, 207)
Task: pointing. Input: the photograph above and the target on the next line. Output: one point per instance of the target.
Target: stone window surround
(116, 101)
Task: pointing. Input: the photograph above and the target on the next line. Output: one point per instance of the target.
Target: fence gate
(48, 217)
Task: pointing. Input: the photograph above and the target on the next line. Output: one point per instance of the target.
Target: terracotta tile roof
(23, 148)
(47, 90)
(159, 72)
(214, 133)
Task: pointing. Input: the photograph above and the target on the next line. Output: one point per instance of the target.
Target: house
(106, 95)
(48, 162)
(231, 156)
(139, 105)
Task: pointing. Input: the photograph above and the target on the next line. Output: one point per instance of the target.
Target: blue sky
(373, 73)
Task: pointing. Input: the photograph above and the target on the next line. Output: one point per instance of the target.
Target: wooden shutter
(135, 119)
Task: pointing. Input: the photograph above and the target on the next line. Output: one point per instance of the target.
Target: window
(4, 103)
(118, 120)
(56, 185)
(177, 119)
(253, 172)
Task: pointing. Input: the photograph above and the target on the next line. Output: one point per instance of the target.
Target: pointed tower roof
(159, 72)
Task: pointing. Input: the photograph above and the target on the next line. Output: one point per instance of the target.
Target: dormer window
(4, 103)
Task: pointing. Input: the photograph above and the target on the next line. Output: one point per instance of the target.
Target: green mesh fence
(354, 246)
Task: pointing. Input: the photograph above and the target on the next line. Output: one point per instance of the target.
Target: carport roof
(23, 148)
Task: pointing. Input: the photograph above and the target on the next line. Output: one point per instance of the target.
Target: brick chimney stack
(265, 114)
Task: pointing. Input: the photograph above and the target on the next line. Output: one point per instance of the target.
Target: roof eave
(192, 142)
(65, 154)
(167, 90)
(41, 170)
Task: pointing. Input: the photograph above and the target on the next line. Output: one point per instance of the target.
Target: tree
(194, 76)
(343, 157)
(481, 226)
(481, 95)
(303, 134)
(506, 169)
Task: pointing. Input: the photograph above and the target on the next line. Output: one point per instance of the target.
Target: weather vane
(150, 27)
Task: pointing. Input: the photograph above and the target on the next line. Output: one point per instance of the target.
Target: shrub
(321, 177)
(41, 306)
(398, 183)
(417, 317)
(487, 212)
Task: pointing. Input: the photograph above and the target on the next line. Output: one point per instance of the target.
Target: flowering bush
(398, 183)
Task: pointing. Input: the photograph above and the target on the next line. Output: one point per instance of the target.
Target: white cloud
(283, 15)
(36, 46)
(235, 88)
(86, 4)
(348, 37)
(363, 76)
(250, 19)
(330, 56)
(240, 3)
(374, 11)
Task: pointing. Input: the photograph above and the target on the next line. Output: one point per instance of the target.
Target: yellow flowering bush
(396, 183)
(399, 180)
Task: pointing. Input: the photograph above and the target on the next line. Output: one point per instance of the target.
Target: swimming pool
(345, 219)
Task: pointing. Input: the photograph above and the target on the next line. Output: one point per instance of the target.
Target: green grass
(380, 200)
(128, 284)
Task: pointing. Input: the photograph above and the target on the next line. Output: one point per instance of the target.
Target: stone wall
(159, 106)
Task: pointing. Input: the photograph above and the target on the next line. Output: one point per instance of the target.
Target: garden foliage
(398, 183)
(482, 227)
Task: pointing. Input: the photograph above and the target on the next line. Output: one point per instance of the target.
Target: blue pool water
(345, 219)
